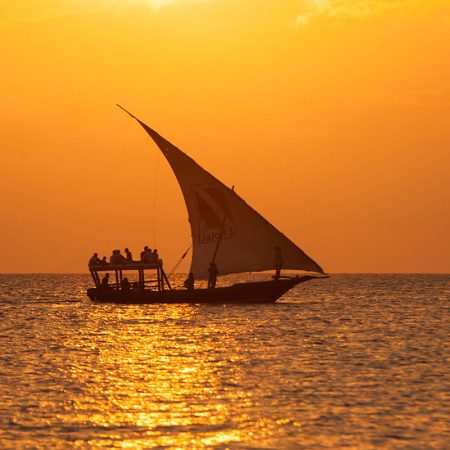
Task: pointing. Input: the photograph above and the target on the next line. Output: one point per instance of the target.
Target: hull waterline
(257, 292)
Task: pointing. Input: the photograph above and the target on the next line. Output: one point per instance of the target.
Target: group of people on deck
(125, 284)
(148, 256)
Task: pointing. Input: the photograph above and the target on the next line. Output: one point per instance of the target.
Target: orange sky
(331, 118)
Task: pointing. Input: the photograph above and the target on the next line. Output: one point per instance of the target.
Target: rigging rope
(179, 261)
(154, 198)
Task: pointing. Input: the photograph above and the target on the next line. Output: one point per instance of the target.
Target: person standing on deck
(278, 262)
(189, 282)
(213, 272)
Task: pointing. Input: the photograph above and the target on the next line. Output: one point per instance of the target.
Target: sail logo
(214, 214)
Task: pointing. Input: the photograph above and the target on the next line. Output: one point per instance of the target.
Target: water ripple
(355, 361)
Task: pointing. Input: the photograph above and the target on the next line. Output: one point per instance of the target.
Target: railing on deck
(157, 283)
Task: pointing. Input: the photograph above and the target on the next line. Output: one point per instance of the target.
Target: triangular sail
(216, 212)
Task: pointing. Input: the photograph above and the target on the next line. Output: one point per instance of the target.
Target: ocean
(353, 361)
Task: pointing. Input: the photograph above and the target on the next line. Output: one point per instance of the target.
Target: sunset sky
(330, 117)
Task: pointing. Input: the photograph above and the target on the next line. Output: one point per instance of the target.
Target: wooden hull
(257, 292)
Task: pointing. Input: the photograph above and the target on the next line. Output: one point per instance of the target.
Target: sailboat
(227, 234)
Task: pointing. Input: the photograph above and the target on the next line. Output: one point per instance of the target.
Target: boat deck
(135, 265)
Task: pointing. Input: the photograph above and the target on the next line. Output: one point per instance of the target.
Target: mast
(222, 228)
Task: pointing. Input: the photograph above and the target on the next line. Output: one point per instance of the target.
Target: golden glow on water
(142, 377)
(355, 362)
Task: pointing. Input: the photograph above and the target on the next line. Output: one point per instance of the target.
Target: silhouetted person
(122, 258)
(103, 261)
(155, 256)
(94, 260)
(125, 285)
(146, 255)
(189, 282)
(213, 272)
(117, 258)
(278, 262)
(129, 256)
(105, 281)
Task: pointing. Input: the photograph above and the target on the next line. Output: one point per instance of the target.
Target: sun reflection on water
(147, 379)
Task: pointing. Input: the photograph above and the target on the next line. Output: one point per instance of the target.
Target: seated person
(129, 256)
(155, 256)
(105, 281)
(103, 261)
(145, 254)
(94, 260)
(125, 285)
(117, 258)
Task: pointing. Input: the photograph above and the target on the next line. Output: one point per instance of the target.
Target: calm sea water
(355, 361)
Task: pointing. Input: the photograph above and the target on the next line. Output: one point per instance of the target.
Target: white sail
(217, 213)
